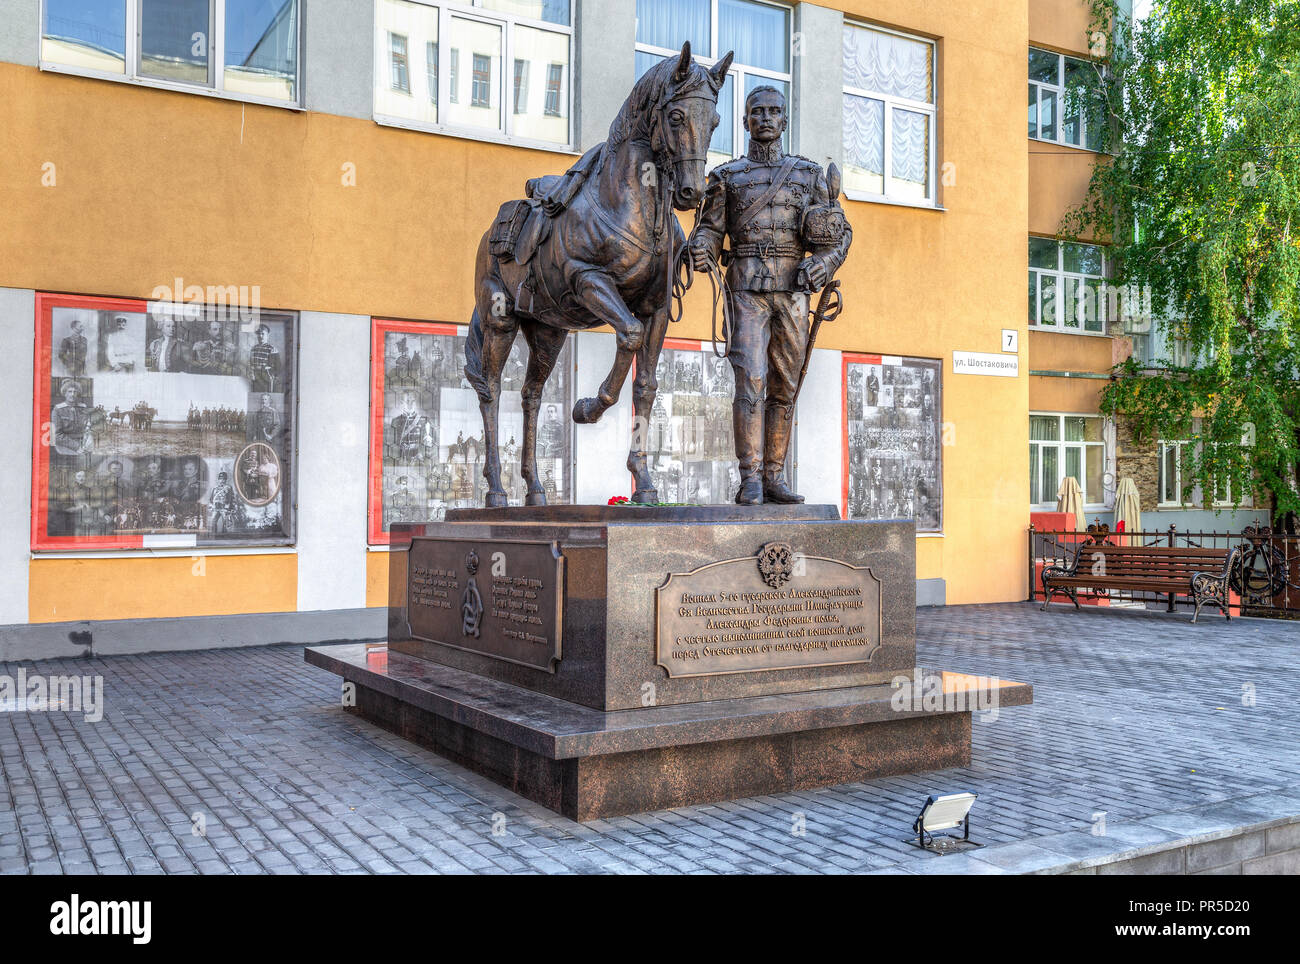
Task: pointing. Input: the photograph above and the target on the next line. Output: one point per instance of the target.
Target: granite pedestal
(610, 660)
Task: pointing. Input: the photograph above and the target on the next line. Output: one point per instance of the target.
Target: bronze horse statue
(598, 245)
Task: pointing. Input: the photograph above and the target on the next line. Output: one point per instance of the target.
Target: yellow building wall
(926, 283)
(1059, 176)
(376, 579)
(1061, 25)
(1058, 182)
(339, 214)
(151, 587)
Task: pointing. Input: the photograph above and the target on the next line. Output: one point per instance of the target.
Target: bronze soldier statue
(788, 237)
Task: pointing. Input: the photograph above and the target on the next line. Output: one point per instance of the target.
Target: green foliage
(1202, 203)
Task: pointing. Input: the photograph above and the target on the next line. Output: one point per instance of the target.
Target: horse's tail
(474, 359)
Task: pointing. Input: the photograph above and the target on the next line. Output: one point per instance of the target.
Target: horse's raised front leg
(644, 388)
(597, 292)
(544, 345)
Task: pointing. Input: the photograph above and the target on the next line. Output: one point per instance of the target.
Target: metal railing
(1265, 580)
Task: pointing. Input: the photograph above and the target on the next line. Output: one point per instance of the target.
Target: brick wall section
(1141, 463)
(1264, 849)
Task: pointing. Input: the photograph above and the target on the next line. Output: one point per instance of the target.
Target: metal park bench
(1202, 574)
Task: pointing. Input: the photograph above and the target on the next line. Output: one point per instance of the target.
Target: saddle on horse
(520, 229)
(521, 226)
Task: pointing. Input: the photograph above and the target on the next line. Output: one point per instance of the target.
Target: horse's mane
(655, 84)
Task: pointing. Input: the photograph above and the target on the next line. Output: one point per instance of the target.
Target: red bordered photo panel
(379, 328)
(919, 492)
(42, 426)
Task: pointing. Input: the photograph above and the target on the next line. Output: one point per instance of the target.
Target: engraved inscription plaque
(777, 609)
(497, 597)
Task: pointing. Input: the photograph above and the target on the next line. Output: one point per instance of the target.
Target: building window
(1067, 445)
(757, 32)
(1065, 100)
(505, 43)
(554, 78)
(1176, 463)
(521, 86)
(397, 61)
(170, 425)
(431, 70)
(1067, 288)
(426, 456)
(888, 115)
(480, 81)
(168, 43)
(1170, 475)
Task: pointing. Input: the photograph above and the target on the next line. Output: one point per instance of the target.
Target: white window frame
(1059, 90)
(1062, 276)
(216, 86)
(1161, 477)
(739, 72)
(504, 134)
(406, 62)
(1061, 445)
(1192, 502)
(891, 101)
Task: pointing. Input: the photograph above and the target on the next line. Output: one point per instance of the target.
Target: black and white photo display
(172, 421)
(893, 421)
(432, 450)
(690, 446)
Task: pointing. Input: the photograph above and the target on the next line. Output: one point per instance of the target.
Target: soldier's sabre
(831, 302)
(829, 306)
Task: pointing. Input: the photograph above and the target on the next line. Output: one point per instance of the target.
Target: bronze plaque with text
(497, 597)
(777, 609)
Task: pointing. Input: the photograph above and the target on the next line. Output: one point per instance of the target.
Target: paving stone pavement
(1134, 714)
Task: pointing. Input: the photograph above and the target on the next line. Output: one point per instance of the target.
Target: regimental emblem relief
(776, 563)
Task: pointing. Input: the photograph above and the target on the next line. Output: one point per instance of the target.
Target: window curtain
(864, 133)
(887, 64)
(758, 34)
(669, 23)
(911, 147)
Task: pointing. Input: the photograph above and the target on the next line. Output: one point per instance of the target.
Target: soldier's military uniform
(71, 422)
(413, 436)
(263, 367)
(769, 294)
(212, 356)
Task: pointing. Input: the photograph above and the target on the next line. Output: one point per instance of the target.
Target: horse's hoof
(587, 411)
(535, 498)
(646, 496)
(496, 500)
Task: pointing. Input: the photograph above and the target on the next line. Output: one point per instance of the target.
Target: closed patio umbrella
(1069, 498)
(1128, 507)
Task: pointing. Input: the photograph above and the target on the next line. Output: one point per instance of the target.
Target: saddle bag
(519, 228)
(507, 227)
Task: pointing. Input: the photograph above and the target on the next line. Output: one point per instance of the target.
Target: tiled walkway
(1134, 714)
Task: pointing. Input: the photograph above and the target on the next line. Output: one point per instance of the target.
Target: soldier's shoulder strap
(762, 200)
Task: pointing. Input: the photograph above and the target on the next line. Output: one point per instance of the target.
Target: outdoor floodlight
(945, 812)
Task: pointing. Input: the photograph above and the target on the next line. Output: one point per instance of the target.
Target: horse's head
(675, 106)
(684, 120)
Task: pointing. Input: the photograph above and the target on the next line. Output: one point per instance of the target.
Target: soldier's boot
(747, 422)
(780, 419)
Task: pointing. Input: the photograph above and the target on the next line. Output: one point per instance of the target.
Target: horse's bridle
(678, 273)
